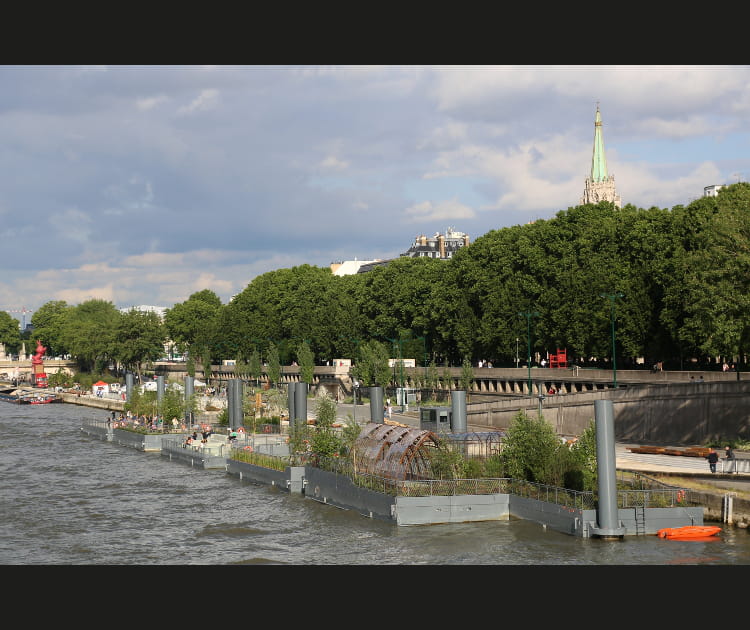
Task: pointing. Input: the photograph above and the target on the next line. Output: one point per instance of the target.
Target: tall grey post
(376, 404)
(608, 525)
(231, 413)
(159, 388)
(290, 403)
(128, 385)
(239, 399)
(458, 411)
(300, 401)
(189, 389)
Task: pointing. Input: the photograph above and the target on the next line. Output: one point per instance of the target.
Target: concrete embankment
(94, 401)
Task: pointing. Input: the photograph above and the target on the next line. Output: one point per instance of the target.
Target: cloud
(450, 210)
(205, 101)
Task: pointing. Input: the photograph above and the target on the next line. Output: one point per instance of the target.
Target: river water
(70, 499)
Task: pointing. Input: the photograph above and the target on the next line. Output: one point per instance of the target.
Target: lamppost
(528, 315)
(612, 297)
(516, 352)
(354, 391)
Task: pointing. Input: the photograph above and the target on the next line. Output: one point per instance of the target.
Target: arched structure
(394, 452)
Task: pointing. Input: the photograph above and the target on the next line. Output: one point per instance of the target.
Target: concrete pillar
(231, 415)
(300, 401)
(159, 388)
(128, 386)
(458, 411)
(376, 404)
(239, 400)
(608, 523)
(290, 388)
(189, 389)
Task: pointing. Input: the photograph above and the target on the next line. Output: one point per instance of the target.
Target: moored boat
(689, 531)
(28, 396)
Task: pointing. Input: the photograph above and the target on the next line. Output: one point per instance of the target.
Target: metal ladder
(640, 520)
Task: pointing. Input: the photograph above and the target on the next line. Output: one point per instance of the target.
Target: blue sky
(144, 184)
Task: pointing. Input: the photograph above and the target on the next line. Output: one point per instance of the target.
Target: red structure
(559, 359)
(38, 376)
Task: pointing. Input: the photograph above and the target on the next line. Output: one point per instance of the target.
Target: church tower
(600, 186)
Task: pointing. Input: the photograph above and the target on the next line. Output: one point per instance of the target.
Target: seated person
(188, 441)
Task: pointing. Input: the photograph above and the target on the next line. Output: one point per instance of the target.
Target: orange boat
(689, 531)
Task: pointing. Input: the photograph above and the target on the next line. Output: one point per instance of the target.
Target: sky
(142, 185)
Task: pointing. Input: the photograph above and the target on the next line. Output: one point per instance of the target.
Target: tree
(10, 333)
(89, 333)
(372, 367)
(193, 324)
(530, 450)
(306, 362)
(274, 365)
(256, 367)
(139, 338)
(325, 442)
(49, 321)
(467, 375)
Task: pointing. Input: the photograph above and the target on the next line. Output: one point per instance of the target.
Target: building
(600, 186)
(441, 246)
(712, 191)
(349, 267)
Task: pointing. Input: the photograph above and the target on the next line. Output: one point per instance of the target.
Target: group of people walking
(713, 458)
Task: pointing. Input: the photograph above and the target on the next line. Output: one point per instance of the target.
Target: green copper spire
(598, 161)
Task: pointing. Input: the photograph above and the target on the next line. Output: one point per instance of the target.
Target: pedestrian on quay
(712, 458)
(729, 456)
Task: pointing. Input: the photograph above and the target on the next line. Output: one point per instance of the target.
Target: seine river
(70, 499)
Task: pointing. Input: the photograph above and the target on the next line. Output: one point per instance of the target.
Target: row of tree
(666, 285)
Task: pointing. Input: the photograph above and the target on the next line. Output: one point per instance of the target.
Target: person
(206, 433)
(712, 458)
(232, 436)
(544, 362)
(729, 456)
(700, 378)
(195, 435)
(188, 441)
(390, 411)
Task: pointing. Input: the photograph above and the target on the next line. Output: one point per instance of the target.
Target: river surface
(70, 499)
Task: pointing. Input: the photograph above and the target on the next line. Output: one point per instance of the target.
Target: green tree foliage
(194, 324)
(372, 368)
(49, 321)
(325, 441)
(10, 333)
(467, 375)
(306, 362)
(274, 365)
(89, 333)
(532, 451)
(256, 367)
(173, 405)
(139, 338)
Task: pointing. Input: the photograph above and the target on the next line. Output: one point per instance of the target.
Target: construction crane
(23, 310)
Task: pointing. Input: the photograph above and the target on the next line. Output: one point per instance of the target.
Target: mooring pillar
(608, 523)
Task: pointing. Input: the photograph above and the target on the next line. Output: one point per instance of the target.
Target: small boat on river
(28, 396)
(689, 532)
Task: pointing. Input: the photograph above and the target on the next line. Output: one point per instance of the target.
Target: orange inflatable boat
(689, 531)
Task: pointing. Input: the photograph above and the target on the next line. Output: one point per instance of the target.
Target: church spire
(598, 159)
(600, 186)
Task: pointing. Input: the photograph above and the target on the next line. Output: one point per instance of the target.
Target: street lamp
(528, 315)
(354, 391)
(612, 297)
(516, 352)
